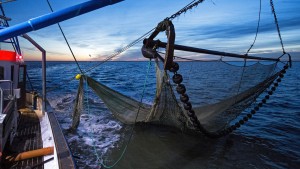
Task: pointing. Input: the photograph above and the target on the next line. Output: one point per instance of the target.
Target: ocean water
(271, 139)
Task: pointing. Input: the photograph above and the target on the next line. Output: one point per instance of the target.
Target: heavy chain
(185, 9)
(184, 98)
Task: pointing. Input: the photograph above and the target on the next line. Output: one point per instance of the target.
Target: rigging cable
(66, 40)
(245, 60)
(257, 28)
(277, 25)
(121, 50)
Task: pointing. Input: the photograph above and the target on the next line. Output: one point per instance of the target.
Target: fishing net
(165, 109)
(218, 91)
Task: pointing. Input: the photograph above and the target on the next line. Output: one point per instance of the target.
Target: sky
(223, 25)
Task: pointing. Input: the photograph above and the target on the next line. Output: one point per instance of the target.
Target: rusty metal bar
(158, 43)
(165, 25)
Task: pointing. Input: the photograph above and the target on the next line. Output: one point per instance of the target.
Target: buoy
(31, 154)
(78, 76)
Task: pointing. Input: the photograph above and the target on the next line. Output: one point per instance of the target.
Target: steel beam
(158, 43)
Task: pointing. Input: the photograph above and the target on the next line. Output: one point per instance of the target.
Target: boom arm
(53, 18)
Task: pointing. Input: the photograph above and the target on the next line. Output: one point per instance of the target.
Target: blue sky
(225, 25)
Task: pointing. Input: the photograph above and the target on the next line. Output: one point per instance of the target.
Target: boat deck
(28, 137)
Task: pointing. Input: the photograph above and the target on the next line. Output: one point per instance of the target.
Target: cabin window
(1, 73)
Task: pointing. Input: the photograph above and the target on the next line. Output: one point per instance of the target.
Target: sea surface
(271, 139)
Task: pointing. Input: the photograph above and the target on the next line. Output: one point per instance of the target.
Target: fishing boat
(30, 136)
(172, 105)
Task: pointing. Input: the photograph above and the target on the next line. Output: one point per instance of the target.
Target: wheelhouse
(12, 93)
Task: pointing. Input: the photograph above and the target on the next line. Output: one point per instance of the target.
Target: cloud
(228, 26)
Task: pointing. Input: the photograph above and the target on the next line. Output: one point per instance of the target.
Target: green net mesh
(78, 106)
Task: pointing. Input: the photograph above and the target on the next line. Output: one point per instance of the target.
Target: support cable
(66, 40)
(121, 50)
(277, 25)
(257, 28)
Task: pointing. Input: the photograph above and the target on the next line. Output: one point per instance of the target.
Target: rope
(131, 133)
(257, 28)
(277, 25)
(66, 40)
